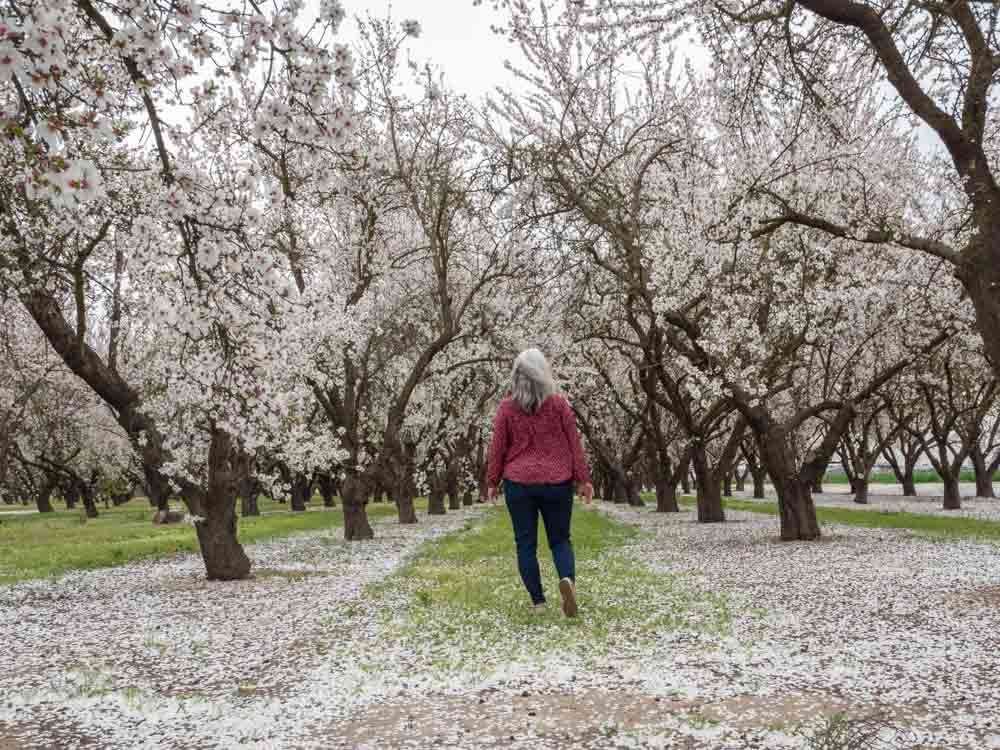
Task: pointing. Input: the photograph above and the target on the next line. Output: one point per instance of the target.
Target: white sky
(455, 37)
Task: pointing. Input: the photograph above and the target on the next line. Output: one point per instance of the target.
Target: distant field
(920, 477)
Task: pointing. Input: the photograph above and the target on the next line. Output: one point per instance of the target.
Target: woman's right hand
(586, 491)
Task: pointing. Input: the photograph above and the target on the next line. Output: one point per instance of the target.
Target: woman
(536, 451)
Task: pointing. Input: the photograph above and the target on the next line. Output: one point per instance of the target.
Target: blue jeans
(555, 503)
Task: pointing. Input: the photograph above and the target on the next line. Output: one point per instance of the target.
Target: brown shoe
(568, 590)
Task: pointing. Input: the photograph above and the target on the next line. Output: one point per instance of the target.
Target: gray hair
(531, 380)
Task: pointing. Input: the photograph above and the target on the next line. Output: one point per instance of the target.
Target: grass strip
(463, 606)
(920, 476)
(960, 527)
(51, 544)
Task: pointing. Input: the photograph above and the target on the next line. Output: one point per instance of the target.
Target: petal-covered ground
(887, 499)
(691, 636)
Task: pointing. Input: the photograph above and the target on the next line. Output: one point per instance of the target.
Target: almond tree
(675, 192)
(958, 394)
(940, 60)
(84, 196)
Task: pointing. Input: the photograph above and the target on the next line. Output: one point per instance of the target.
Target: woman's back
(537, 448)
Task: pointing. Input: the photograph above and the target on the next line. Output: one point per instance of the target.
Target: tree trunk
(43, 498)
(451, 485)
(221, 550)
(952, 495)
(666, 497)
(326, 488)
(404, 499)
(248, 490)
(759, 478)
(796, 509)
(435, 499)
(816, 486)
(909, 482)
(72, 496)
(984, 477)
(795, 504)
(608, 493)
(632, 494)
(354, 499)
(194, 501)
(301, 492)
(686, 482)
(87, 495)
(980, 275)
(741, 482)
(248, 505)
(618, 495)
(709, 488)
(860, 487)
(727, 485)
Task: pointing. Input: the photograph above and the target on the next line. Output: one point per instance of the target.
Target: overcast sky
(455, 37)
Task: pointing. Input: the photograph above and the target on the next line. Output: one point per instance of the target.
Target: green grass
(922, 523)
(923, 476)
(43, 545)
(465, 607)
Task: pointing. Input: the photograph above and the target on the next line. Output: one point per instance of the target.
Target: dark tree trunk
(248, 489)
(248, 504)
(952, 495)
(741, 482)
(709, 488)
(666, 497)
(796, 509)
(727, 485)
(158, 492)
(87, 495)
(354, 499)
(980, 275)
(909, 483)
(795, 504)
(43, 498)
(859, 485)
(451, 486)
(632, 494)
(403, 494)
(325, 483)
(686, 482)
(405, 508)
(984, 477)
(72, 496)
(618, 492)
(435, 498)
(759, 478)
(301, 492)
(195, 501)
(816, 486)
(608, 493)
(221, 550)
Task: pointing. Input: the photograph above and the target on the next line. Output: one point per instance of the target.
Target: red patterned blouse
(540, 448)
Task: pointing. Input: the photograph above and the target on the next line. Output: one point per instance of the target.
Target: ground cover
(50, 544)
(930, 523)
(920, 476)
(693, 636)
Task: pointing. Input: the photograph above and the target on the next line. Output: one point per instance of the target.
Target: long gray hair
(531, 380)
